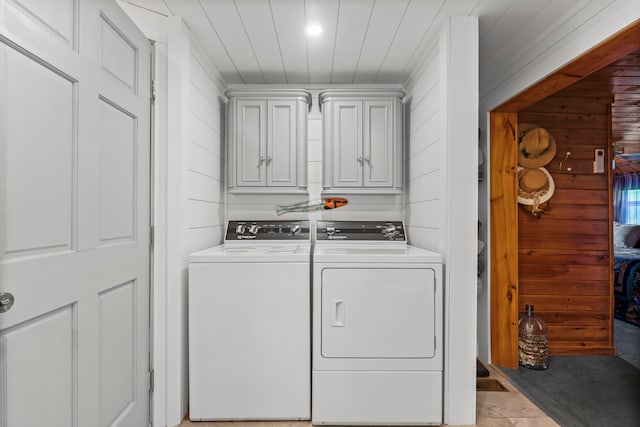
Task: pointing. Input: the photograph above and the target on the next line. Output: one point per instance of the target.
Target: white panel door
(74, 215)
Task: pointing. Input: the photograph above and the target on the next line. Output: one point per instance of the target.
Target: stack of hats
(536, 148)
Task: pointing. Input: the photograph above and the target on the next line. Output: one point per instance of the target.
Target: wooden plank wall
(563, 255)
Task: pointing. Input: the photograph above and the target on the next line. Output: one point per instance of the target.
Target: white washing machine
(249, 324)
(377, 327)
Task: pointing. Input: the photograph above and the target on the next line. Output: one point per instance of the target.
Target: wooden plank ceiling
(622, 80)
(363, 42)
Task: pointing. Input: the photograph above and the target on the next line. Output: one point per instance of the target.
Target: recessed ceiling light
(314, 30)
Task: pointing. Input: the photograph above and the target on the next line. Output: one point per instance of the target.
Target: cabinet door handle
(262, 160)
(360, 159)
(367, 159)
(269, 159)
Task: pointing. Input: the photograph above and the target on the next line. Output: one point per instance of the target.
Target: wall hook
(564, 160)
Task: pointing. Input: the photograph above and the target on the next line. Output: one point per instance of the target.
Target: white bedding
(626, 252)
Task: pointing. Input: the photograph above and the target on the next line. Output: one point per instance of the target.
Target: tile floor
(493, 409)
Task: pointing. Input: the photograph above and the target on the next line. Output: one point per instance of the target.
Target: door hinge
(151, 380)
(152, 237)
(153, 89)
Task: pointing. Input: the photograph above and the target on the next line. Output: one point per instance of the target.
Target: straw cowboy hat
(535, 188)
(536, 146)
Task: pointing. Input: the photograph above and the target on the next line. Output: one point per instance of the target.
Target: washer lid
(254, 253)
(377, 253)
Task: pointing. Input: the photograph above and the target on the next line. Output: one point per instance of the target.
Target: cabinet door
(251, 143)
(378, 143)
(347, 143)
(282, 153)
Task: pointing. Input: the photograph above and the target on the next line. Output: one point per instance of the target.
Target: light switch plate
(598, 163)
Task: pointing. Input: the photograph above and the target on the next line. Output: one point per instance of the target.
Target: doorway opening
(510, 258)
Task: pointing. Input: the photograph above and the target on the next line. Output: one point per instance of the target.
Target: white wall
(426, 151)
(504, 76)
(194, 197)
(442, 194)
(204, 163)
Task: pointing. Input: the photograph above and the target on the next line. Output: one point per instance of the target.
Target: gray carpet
(584, 391)
(626, 339)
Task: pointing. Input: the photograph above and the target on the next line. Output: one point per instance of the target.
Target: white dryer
(377, 327)
(249, 324)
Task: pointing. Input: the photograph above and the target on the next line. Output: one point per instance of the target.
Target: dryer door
(378, 313)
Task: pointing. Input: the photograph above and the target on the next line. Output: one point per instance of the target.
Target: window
(632, 208)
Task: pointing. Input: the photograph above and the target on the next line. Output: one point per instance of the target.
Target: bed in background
(626, 267)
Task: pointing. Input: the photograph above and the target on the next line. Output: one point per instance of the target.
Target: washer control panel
(267, 230)
(361, 230)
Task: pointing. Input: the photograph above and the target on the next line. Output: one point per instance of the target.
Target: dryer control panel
(381, 231)
(267, 230)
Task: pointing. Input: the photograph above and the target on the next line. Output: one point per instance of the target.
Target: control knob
(253, 229)
(331, 231)
(294, 230)
(390, 231)
(241, 229)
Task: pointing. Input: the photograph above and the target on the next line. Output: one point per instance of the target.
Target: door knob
(6, 301)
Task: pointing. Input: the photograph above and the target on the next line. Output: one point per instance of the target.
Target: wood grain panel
(564, 264)
(569, 211)
(568, 121)
(578, 136)
(565, 303)
(562, 348)
(555, 242)
(583, 182)
(562, 287)
(562, 256)
(565, 272)
(594, 318)
(588, 91)
(576, 105)
(579, 167)
(593, 333)
(564, 226)
(504, 246)
(582, 197)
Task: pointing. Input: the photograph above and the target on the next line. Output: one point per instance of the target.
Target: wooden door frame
(503, 200)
